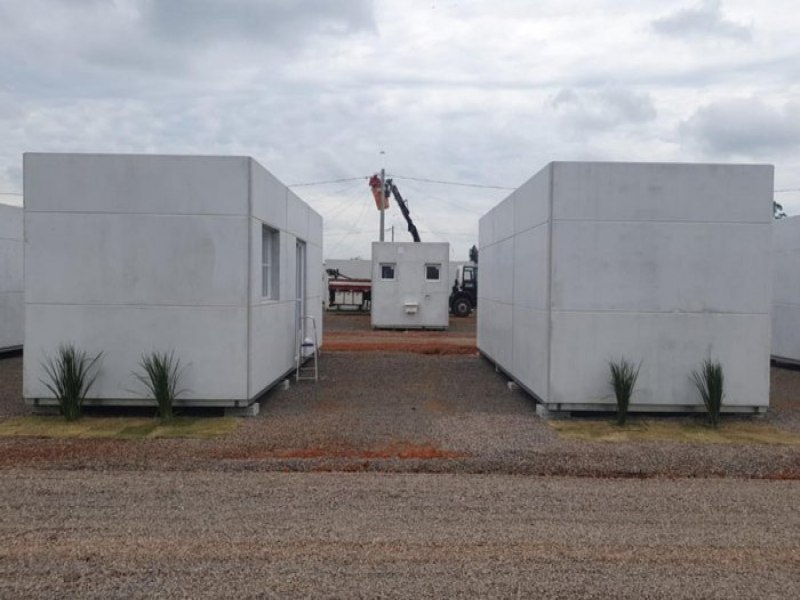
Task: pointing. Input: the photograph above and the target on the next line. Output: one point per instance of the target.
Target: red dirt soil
(353, 333)
(401, 450)
(425, 347)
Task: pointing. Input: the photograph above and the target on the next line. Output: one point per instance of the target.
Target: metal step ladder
(307, 352)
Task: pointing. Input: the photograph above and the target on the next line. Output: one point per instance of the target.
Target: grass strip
(121, 428)
(736, 432)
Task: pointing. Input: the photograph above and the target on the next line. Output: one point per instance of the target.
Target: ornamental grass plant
(622, 381)
(710, 382)
(161, 375)
(70, 375)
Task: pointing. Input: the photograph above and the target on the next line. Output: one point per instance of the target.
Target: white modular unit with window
(410, 285)
(666, 264)
(210, 257)
(12, 313)
(362, 269)
(786, 290)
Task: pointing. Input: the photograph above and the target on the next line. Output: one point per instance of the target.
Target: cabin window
(387, 271)
(270, 262)
(432, 272)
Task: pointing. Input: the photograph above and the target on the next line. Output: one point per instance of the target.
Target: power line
(461, 183)
(10, 194)
(421, 179)
(343, 180)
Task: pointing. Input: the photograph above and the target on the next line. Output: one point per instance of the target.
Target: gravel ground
(408, 412)
(213, 518)
(411, 413)
(272, 535)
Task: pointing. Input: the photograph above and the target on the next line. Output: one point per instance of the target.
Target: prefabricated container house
(667, 264)
(12, 312)
(410, 285)
(209, 257)
(786, 290)
(360, 268)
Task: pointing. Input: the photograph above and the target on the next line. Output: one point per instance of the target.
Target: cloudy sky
(463, 91)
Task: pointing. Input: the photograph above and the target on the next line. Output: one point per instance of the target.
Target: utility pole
(383, 198)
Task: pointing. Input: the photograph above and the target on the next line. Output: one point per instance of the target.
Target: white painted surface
(664, 263)
(393, 302)
(127, 254)
(786, 289)
(11, 277)
(272, 322)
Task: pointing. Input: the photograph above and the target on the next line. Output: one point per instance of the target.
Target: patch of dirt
(433, 348)
(353, 333)
(399, 450)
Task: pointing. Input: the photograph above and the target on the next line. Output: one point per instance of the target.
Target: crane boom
(391, 189)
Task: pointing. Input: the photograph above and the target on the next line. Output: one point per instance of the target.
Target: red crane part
(375, 185)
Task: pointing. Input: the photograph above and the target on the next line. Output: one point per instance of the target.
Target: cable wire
(461, 183)
(343, 180)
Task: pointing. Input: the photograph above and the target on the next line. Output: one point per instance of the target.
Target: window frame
(438, 267)
(391, 265)
(270, 263)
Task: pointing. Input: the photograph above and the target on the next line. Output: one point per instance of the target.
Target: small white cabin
(667, 264)
(410, 285)
(12, 310)
(210, 257)
(786, 290)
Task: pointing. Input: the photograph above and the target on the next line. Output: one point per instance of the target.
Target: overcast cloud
(704, 20)
(454, 90)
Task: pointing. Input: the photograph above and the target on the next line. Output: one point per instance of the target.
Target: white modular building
(211, 258)
(410, 285)
(786, 290)
(12, 310)
(667, 264)
(360, 268)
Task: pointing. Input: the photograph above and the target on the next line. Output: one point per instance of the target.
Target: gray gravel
(271, 535)
(411, 413)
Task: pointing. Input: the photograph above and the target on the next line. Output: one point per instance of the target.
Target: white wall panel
(669, 346)
(786, 289)
(209, 341)
(532, 201)
(694, 193)
(11, 277)
(128, 183)
(664, 263)
(79, 258)
(661, 266)
(269, 197)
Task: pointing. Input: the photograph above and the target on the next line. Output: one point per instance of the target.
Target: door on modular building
(300, 293)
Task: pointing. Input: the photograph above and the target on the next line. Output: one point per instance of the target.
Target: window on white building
(270, 262)
(387, 272)
(432, 272)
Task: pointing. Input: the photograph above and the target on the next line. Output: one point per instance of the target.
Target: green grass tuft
(676, 431)
(710, 382)
(160, 374)
(120, 428)
(69, 377)
(623, 380)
